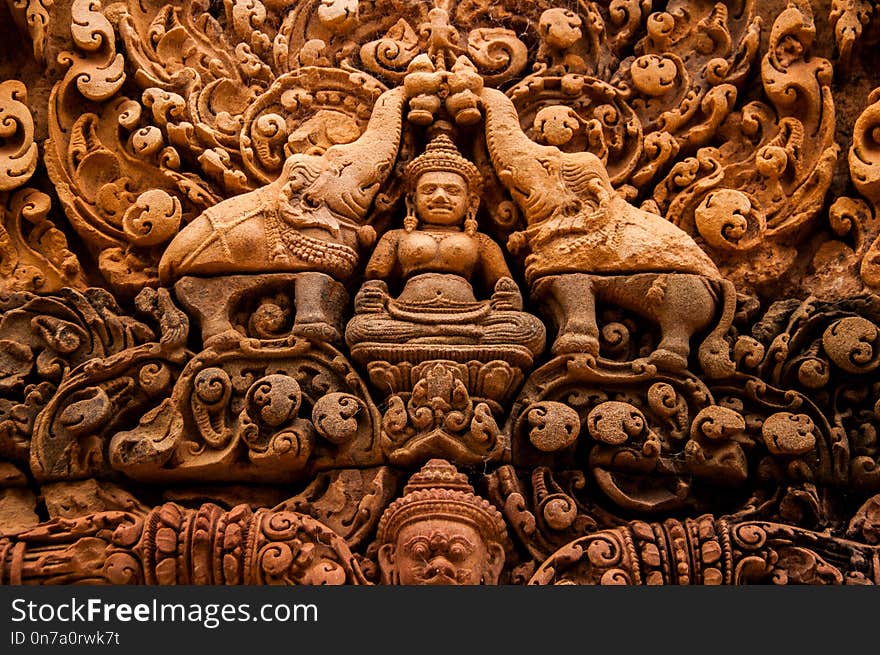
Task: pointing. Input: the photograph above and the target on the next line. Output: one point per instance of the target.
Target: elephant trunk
(519, 161)
(714, 352)
(354, 172)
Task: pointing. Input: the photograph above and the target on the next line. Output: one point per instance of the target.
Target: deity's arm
(384, 258)
(493, 267)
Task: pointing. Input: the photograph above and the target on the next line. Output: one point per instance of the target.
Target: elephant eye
(310, 201)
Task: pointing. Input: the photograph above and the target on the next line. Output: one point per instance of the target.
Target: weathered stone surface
(17, 510)
(72, 499)
(11, 476)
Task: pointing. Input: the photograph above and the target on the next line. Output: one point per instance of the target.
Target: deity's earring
(410, 221)
(470, 221)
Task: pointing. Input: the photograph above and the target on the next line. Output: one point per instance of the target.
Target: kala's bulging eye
(457, 552)
(420, 550)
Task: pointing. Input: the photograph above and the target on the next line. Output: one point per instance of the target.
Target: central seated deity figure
(437, 254)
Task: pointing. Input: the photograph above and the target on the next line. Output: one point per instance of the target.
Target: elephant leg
(570, 299)
(320, 302)
(209, 301)
(687, 307)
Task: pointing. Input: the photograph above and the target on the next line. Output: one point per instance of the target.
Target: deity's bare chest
(455, 251)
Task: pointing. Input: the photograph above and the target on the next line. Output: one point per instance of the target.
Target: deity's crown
(442, 155)
(439, 491)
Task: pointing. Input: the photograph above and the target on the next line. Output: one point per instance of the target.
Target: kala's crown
(440, 491)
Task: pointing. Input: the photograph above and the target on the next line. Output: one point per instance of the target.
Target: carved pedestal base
(444, 409)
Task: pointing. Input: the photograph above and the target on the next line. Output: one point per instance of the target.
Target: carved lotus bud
(556, 125)
(653, 75)
(789, 434)
(560, 28)
(554, 426)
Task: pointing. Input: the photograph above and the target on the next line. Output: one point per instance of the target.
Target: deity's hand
(366, 235)
(371, 298)
(517, 242)
(506, 296)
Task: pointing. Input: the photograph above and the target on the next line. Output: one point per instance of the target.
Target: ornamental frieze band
(390, 292)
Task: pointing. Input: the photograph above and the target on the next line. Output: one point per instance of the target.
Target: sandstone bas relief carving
(440, 292)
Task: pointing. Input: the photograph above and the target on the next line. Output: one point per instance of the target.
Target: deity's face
(441, 198)
(442, 552)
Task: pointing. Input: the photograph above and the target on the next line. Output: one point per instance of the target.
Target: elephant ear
(300, 172)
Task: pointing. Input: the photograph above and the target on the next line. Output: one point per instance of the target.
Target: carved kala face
(441, 198)
(442, 552)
